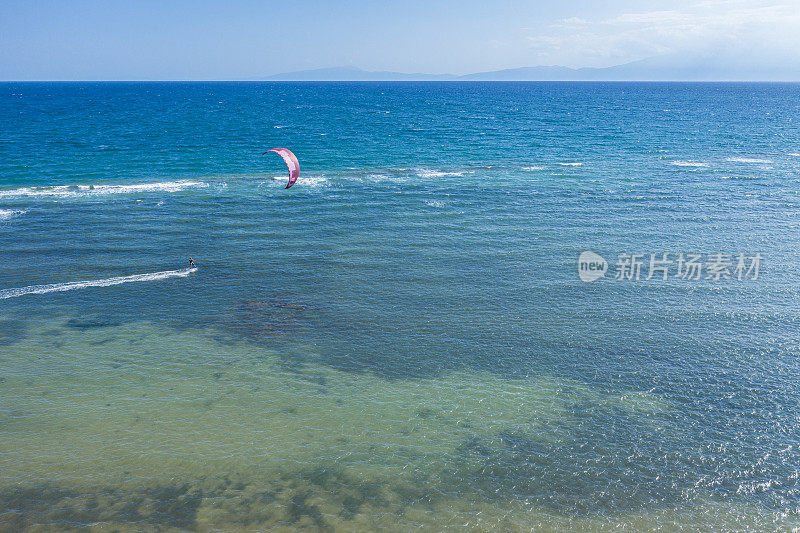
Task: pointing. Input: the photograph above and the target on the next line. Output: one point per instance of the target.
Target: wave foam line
(61, 287)
(748, 160)
(5, 214)
(424, 173)
(689, 164)
(67, 191)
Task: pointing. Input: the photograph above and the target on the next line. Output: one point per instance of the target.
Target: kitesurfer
(191, 263)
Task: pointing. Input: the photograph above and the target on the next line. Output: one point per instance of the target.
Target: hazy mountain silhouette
(676, 67)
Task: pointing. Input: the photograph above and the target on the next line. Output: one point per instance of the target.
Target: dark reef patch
(270, 317)
(425, 412)
(12, 331)
(305, 500)
(563, 480)
(298, 507)
(89, 322)
(103, 341)
(67, 509)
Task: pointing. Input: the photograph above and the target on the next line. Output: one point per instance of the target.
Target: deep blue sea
(402, 340)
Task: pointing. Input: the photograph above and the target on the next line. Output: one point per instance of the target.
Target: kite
(291, 163)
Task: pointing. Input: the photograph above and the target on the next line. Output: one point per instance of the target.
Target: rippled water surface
(401, 340)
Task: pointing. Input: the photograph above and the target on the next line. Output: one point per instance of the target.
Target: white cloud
(753, 28)
(574, 21)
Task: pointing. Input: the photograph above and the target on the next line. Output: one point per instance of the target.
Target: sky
(248, 39)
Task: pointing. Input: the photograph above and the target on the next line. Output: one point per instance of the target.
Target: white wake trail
(61, 287)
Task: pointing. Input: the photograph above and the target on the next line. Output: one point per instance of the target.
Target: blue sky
(244, 39)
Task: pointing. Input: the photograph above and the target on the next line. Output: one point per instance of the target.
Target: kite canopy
(291, 163)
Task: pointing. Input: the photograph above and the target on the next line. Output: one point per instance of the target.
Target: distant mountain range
(661, 68)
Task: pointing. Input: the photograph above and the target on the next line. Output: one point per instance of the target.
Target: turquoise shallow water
(401, 340)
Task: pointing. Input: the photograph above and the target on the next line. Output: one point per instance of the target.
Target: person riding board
(191, 263)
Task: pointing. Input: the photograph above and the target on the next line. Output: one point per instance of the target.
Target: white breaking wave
(67, 191)
(314, 181)
(531, 169)
(748, 160)
(302, 181)
(5, 214)
(61, 287)
(280, 180)
(422, 173)
(570, 164)
(794, 154)
(688, 164)
(383, 178)
(434, 203)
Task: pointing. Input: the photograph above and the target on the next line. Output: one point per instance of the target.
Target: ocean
(404, 340)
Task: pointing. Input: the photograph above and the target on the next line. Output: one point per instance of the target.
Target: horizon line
(247, 80)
